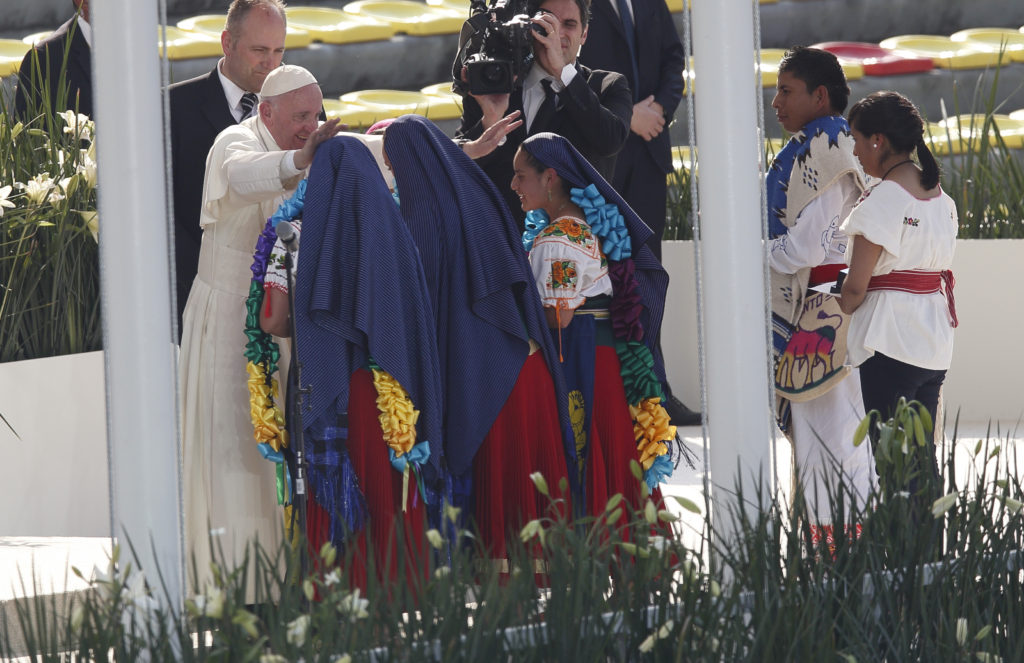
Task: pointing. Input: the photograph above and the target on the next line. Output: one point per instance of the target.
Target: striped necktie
(248, 103)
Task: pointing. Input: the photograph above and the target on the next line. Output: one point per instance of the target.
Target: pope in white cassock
(229, 489)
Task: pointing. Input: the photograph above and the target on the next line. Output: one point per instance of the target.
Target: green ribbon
(638, 377)
(259, 346)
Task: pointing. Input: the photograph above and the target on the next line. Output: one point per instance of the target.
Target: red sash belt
(918, 282)
(825, 273)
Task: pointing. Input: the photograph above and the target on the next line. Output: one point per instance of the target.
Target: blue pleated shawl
(360, 291)
(486, 306)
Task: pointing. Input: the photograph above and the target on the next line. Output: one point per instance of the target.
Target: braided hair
(895, 117)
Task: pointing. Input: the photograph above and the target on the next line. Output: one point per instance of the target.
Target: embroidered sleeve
(276, 277)
(568, 265)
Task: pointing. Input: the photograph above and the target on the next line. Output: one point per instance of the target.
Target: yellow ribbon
(397, 415)
(267, 418)
(651, 428)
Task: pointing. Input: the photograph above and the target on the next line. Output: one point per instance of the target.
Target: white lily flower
(5, 192)
(531, 529)
(355, 607)
(65, 185)
(435, 538)
(105, 582)
(648, 644)
(540, 482)
(39, 187)
(87, 168)
(944, 504)
(211, 604)
(298, 629)
(77, 124)
(92, 222)
(961, 631)
(332, 578)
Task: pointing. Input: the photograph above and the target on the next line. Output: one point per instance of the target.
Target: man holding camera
(590, 107)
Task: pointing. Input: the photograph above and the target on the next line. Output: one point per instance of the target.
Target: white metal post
(726, 110)
(135, 284)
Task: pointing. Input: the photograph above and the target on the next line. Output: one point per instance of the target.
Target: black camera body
(498, 49)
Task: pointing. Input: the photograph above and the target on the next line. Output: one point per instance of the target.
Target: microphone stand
(298, 443)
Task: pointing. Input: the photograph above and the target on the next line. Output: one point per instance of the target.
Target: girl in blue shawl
(504, 416)
(604, 293)
(365, 340)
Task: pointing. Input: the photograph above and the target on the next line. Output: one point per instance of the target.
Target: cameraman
(589, 107)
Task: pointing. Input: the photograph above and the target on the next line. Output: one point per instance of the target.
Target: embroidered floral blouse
(275, 277)
(568, 264)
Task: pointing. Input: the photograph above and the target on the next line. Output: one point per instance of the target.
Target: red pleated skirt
(612, 443)
(392, 541)
(526, 437)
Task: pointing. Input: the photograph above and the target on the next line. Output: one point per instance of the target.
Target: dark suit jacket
(660, 61)
(594, 116)
(199, 111)
(77, 78)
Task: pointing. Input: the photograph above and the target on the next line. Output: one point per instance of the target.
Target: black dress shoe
(679, 414)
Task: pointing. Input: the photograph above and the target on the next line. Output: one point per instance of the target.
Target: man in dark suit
(651, 57)
(72, 40)
(591, 108)
(643, 45)
(202, 107)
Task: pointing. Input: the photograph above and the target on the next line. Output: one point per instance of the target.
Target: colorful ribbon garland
(652, 427)
(263, 353)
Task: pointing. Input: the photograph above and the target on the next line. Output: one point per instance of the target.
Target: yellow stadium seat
(212, 25)
(354, 115)
(334, 26)
(36, 37)
(769, 65)
(460, 6)
(961, 133)
(943, 51)
(444, 91)
(393, 103)
(414, 18)
(184, 45)
(994, 39)
(12, 52)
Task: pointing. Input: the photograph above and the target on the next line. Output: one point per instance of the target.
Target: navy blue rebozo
(485, 302)
(359, 292)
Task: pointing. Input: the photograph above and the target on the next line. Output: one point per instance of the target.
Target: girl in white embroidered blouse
(900, 287)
